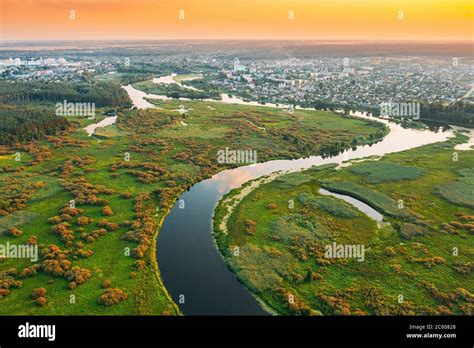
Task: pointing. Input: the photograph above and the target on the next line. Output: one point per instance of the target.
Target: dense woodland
(21, 124)
(100, 93)
(458, 113)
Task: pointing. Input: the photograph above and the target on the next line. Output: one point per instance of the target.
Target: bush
(78, 275)
(3, 293)
(139, 265)
(251, 227)
(109, 226)
(14, 232)
(107, 211)
(83, 221)
(112, 296)
(40, 301)
(38, 292)
(33, 240)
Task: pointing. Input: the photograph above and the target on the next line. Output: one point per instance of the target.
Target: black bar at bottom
(88, 331)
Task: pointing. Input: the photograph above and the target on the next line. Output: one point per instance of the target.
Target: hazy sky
(444, 20)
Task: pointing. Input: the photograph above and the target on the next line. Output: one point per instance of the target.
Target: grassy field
(184, 77)
(129, 174)
(417, 262)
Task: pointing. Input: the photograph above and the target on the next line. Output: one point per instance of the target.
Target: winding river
(192, 269)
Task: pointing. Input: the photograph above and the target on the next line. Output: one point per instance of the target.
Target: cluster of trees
(61, 224)
(455, 227)
(63, 227)
(86, 193)
(93, 236)
(142, 123)
(80, 252)
(166, 196)
(463, 267)
(112, 296)
(460, 298)
(144, 144)
(139, 265)
(83, 220)
(101, 93)
(173, 90)
(295, 305)
(427, 261)
(201, 84)
(16, 192)
(140, 68)
(105, 226)
(56, 263)
(40, 153)
(108, 225)
(65, 140)
(38, 295)
(7, 281)
(338, 304)
(199, 154)
(77, 276)
(129, 78)
(30, 271)
(143, 225)
(64, 230)
(22, 124)
(68, 166)
(14, 232)
(153, 173)
(460, 113)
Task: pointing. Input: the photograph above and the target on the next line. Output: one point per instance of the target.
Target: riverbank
(182, 237)
(273, 268)
(229, 202)
(178, 243)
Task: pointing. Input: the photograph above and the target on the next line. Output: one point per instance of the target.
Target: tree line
(100, 93)
(21, 124)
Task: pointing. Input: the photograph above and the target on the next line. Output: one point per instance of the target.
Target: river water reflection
(192, 270)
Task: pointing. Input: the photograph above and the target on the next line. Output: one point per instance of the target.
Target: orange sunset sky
(434, 20)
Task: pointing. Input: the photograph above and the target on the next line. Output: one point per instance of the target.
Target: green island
(93, 205)
(417, 261)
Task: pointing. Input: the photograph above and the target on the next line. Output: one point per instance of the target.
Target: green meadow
(418, 261)
(97, 256)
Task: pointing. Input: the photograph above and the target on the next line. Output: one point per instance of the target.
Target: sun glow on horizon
(438, 20)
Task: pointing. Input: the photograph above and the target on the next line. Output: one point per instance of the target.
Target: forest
(21, 123)
(459, 113)
(100, 93)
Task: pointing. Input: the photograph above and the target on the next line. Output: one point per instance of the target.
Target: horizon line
(242, 39)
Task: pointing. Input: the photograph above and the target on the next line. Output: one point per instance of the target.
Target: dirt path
(236, 199)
